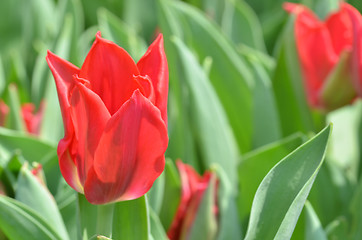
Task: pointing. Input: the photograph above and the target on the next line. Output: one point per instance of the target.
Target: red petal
(340, 29)
(147, 88)
(4, 111)
(130, 154)
(89, 116)
(315, 49)
(67, 165)
(31, 118)
(356, 20)
(110, 71)
(154, 64)
(63, 72)
(292, 7)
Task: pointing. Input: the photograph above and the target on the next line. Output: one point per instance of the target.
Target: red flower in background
(115, 120)
(4, 111)
(31, 118)
(321, 45)
(193, 187)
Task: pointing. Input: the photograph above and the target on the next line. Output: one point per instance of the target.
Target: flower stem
(105, 219)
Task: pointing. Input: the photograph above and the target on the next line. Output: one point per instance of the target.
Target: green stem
(105, 219)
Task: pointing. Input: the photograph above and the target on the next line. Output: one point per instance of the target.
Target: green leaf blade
(281, 195)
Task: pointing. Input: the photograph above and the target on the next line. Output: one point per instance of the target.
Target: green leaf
(30, 192)
(338, 229)
(215, 9)
(338, 89)
(332, 184)
(140, 15)
(131, 220)
(66, 199)
(229, 74)
(155, 195)
(229, 226)
(313, 228)
(157, 230)
(9, 171)
(345, 149)
(256, 164)
(12, 140)
(214, 138)
(19, 222)
(241, 24)
(171, 196)
(355, 211)
(15, 120)
(45, 154)
(264, 132)
(287, 83)
(282, 193)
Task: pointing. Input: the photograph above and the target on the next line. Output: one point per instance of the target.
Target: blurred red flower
(330, 54)
(4, 111)
(31, 118)
(193, 188)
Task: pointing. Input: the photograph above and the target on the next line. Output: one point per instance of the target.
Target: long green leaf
(171, 196)
(257, 164)
(19, 222)
(229, 74)
(30, 192)
(241, 24)
(215, 139)
(313, 228)
(282, 193)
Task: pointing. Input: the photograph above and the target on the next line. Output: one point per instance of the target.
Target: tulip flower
(115, 119)
(330, 54)
(31, 118)
(193, 188)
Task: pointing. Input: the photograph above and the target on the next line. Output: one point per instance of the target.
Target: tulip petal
(340, 29)
(147, 87)
(315, 49)
(67, 165)
(356, 20)
(63, 72)
(154, 64)
(110, 71)
(130, 154)
(89, 117)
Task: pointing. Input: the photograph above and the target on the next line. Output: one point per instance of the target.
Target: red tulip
(330, 54)
(31, 118)
(193, 187)
(4, 111)
(115, 120)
